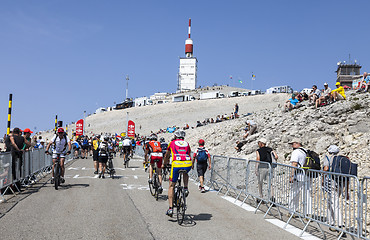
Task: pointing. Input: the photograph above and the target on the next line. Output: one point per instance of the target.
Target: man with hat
(338, 93)
(325, 95)
(250, 128)
(298, 178)
(203, 161)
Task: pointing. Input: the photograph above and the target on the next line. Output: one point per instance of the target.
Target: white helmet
(180, 133)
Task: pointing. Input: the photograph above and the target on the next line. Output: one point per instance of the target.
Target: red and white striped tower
(189, 44)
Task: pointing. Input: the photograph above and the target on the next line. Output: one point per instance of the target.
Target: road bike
(155, 184)
(179, 199)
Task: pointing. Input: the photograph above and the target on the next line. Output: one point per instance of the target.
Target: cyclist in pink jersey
(179, 150)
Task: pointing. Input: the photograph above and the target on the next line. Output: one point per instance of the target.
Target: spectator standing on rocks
(291, 103)
(266, 155)
(338, 93)
(251, 128)
(325, 95)
(333, 189)
(236, 110)
(298, 179)
(203, 162)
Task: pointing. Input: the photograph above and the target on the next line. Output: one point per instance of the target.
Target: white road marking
(76, 176)
(135, 177)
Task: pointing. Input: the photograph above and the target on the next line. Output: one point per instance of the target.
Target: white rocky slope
(345, 123)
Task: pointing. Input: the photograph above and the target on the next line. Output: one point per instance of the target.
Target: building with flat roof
(347, 72)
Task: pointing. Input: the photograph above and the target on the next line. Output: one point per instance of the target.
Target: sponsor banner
(80, 127)
(131, 129)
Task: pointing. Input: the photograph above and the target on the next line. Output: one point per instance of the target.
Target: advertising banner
(80, 127)
(131, 129)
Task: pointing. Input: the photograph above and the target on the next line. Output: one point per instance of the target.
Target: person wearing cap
(203, 162)
(250, 128)
(325, 95)
(298, 178)
(27, 135)
(291, 103)
(42, 143)
(338, 93)
(334, 190)
(266, 156)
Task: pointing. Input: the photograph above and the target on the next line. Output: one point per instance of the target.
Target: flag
(253, 77)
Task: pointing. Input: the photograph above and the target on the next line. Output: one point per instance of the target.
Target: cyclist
(164, 147)
(179, 150)
(85, 147)
(103, 152)
(126, 147)
(61, 142)
(133, 144)
(153, 151)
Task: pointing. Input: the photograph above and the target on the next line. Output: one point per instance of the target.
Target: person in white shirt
(298, 179)
(61, 143)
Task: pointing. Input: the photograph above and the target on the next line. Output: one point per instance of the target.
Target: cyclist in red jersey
(179, 150)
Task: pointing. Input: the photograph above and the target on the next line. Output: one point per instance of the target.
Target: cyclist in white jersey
(61, 143)
(127, 146)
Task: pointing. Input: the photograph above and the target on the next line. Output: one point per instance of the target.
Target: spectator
(239, 145)
(314, 95)
(333, 189)
(42, 143)
(298, 179)
(338, 94)
(17, 144)
(27, 135)
(366, 80)
(266, 155)
(96, 143)
(8, 145)
(236, 110)
(325, 95)
(251, 128)
(291, 103)
(203, 161)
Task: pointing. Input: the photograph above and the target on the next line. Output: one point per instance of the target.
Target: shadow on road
(78, 185)
(191, 219)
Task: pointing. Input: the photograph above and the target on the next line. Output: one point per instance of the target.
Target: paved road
(86, 207)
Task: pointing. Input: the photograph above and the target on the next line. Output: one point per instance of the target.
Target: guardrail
(337, 201)
(35, 164)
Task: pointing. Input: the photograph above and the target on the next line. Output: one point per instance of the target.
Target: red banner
(80, 127)
(131, 129)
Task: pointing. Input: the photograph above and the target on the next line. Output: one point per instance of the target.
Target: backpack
(312, 161)
(85, 142)
(103, 149)
(342, 164)
(202, 155)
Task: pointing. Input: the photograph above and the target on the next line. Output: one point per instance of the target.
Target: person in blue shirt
(291, 103)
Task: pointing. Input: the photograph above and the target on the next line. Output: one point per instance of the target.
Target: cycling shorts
(156, 156)
(55, 155)
(85, 147)
(177, 166)
(126, 149)
(201, 169)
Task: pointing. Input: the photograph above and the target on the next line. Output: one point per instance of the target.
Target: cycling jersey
(126, 143)
(60, 144)
(181, 160)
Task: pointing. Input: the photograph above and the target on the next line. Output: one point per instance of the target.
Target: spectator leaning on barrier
(27, 135)
(298, 179)
(17, 143)
(333, 189)
(203, 162)
(266, 155)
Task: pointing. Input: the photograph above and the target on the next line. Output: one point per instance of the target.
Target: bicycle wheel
(181, 206)
(151, 188)
(56, 176)
(156, 186)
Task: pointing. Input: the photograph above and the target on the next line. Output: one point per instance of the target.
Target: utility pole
(127, 78)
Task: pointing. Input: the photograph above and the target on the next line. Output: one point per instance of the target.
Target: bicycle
(57, 171)
(179, 199)
(154, 185)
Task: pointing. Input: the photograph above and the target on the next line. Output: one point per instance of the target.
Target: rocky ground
(344, 123)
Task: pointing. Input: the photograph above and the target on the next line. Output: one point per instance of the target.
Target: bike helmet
(60, 130)
(153, 137)
(106, 139)
(180, 134)
(162, 140)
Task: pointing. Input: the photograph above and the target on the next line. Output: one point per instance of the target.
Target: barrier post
(9, 113)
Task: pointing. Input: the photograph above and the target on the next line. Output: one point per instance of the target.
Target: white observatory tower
(187, 77)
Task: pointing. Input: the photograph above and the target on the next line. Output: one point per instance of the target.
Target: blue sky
(67, 57)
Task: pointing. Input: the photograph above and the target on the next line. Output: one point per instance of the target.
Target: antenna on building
(189, 43)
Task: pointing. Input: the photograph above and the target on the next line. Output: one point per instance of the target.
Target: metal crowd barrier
(35, 165)
(365, 214)
(337, 201)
